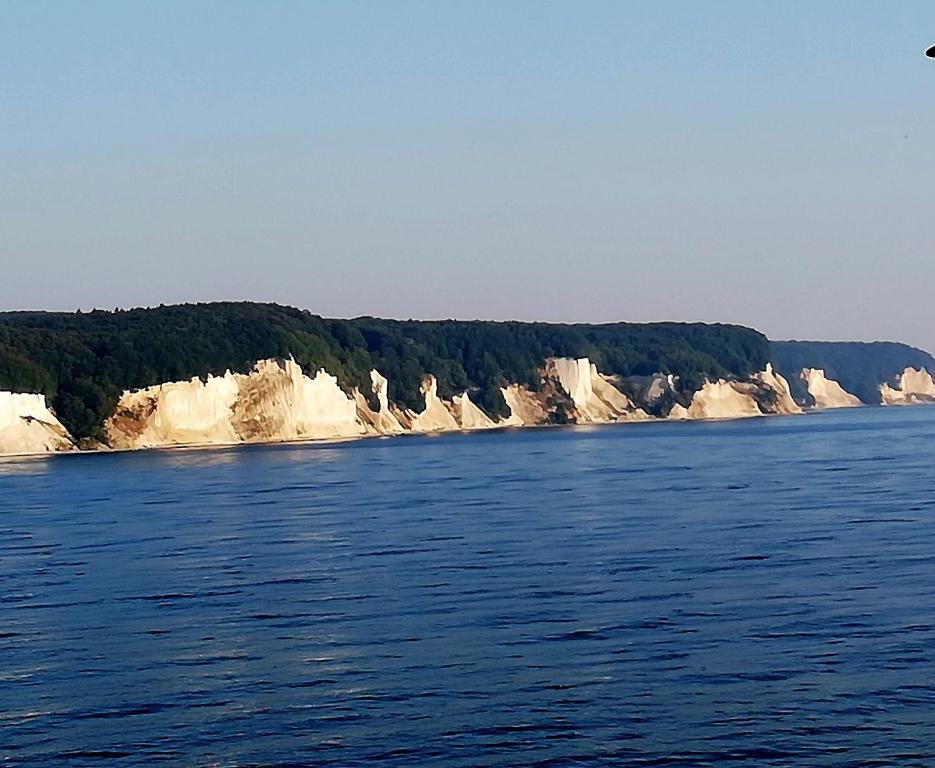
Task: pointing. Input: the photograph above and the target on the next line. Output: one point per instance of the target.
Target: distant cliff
(859, 367)
(85, 362)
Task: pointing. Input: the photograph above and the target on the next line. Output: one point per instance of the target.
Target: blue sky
(763, 163)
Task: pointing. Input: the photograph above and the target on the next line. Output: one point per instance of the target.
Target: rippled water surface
(657, 594)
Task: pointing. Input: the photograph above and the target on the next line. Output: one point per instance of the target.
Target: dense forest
(83, 361)
(859, 367)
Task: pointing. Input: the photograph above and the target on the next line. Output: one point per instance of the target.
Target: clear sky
(771, 164)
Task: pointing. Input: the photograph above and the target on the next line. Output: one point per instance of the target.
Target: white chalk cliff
(388, 423)
(526, 410)
(176, 413)
(783, 402)
(277, 402)
(274, 402)
(27, 426)
(468, 415)
(717, 400)
(765, 392)
(827, 393)
(382, 421)
(596, 400)
(915, 387)
(436, 417)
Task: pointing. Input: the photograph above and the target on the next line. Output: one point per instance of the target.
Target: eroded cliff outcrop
(765, 393)
(468, 415)
(382, 421)
(274, 402)
(28, 426)
(717, 400)
(387, 424)
(776, 396)
(595, 398)
(526, 408)
(437, 416)
(175, 413)
(825, 392)
(914, 387)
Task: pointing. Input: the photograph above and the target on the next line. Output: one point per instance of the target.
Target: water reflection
(25, 465)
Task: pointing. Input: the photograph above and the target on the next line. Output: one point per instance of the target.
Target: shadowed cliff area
(83, 361)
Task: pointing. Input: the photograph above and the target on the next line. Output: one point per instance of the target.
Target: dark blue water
(659, 594)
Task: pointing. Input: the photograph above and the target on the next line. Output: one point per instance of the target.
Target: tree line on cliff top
(83, 361)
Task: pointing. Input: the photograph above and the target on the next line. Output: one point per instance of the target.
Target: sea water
(758, 591)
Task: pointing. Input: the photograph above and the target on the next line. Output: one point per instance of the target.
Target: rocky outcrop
(766, 392)
(678, 412)
(606, 391)
(914, 387)
(468, 415)
(437, 416)
(659, 387)
(387, 424)
(274, 402)
(595, 398)
(28, 426)
(177, 413)
(717, 400)
(382, 421)
(776, 396)
(653, 395)
(825, 392)
(526, 408)
(277, 402)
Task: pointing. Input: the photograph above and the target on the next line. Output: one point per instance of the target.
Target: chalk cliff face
(468, 415)
(526, 409)
(781, 400)
(388, 423)
(827, 393)
(596, 400)
(382, 421)
(765, 392)
(436, 417)
(175, 414)
(915, 387)
(27, 426)
(717, 400)
(274, 402)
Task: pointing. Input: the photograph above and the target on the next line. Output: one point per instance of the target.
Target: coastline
(279, 404)
(324, 441)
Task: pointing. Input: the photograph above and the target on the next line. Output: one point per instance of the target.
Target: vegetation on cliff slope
(83, 361)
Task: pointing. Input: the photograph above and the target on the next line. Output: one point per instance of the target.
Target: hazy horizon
(586, 162)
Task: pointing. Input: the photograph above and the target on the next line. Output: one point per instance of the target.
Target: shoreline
(324, 441)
